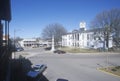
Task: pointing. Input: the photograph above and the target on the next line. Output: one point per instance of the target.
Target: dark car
(48, 48)
(59, 51)
(17, 49)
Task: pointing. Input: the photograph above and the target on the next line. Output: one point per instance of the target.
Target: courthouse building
(84, 38)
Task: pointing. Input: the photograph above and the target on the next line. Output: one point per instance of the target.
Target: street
(74, 67)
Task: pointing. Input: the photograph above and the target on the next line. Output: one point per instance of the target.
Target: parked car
(48, 48)
(39, 67)
(59, 51)
(37, 70)
(40, 45)
(17, 49)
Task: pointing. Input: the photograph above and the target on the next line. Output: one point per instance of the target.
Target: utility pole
(13, 55)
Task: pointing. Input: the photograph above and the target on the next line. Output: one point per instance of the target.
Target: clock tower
(82, 25)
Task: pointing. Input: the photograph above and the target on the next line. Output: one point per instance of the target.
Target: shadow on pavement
(19, 69)
(43, 78)
(40, 78)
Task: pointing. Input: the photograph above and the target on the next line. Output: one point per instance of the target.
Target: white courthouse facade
(83, 38)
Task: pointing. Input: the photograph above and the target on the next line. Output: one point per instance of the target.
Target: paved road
(70, 67)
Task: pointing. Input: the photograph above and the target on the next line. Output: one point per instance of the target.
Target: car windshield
(36, 68)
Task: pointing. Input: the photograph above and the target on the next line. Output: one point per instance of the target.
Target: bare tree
(16, 39)
(54, 29)
(109, 22)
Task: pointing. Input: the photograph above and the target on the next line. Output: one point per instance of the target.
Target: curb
(108, 73)
(103, 53)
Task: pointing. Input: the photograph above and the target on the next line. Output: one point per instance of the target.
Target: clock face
(82, 24)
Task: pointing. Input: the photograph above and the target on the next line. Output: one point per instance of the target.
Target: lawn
(86, 50)
(78, 50)
(112, 70)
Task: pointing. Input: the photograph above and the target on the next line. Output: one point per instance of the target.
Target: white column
(53, 48)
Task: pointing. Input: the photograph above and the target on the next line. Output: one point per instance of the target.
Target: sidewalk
(26, 54)
(97, 53)
(29, 54)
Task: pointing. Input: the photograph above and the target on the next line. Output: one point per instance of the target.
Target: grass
(25, 54)
(78, 50)
(113, 70)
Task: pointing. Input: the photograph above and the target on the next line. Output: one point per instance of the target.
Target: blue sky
(30, 17)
